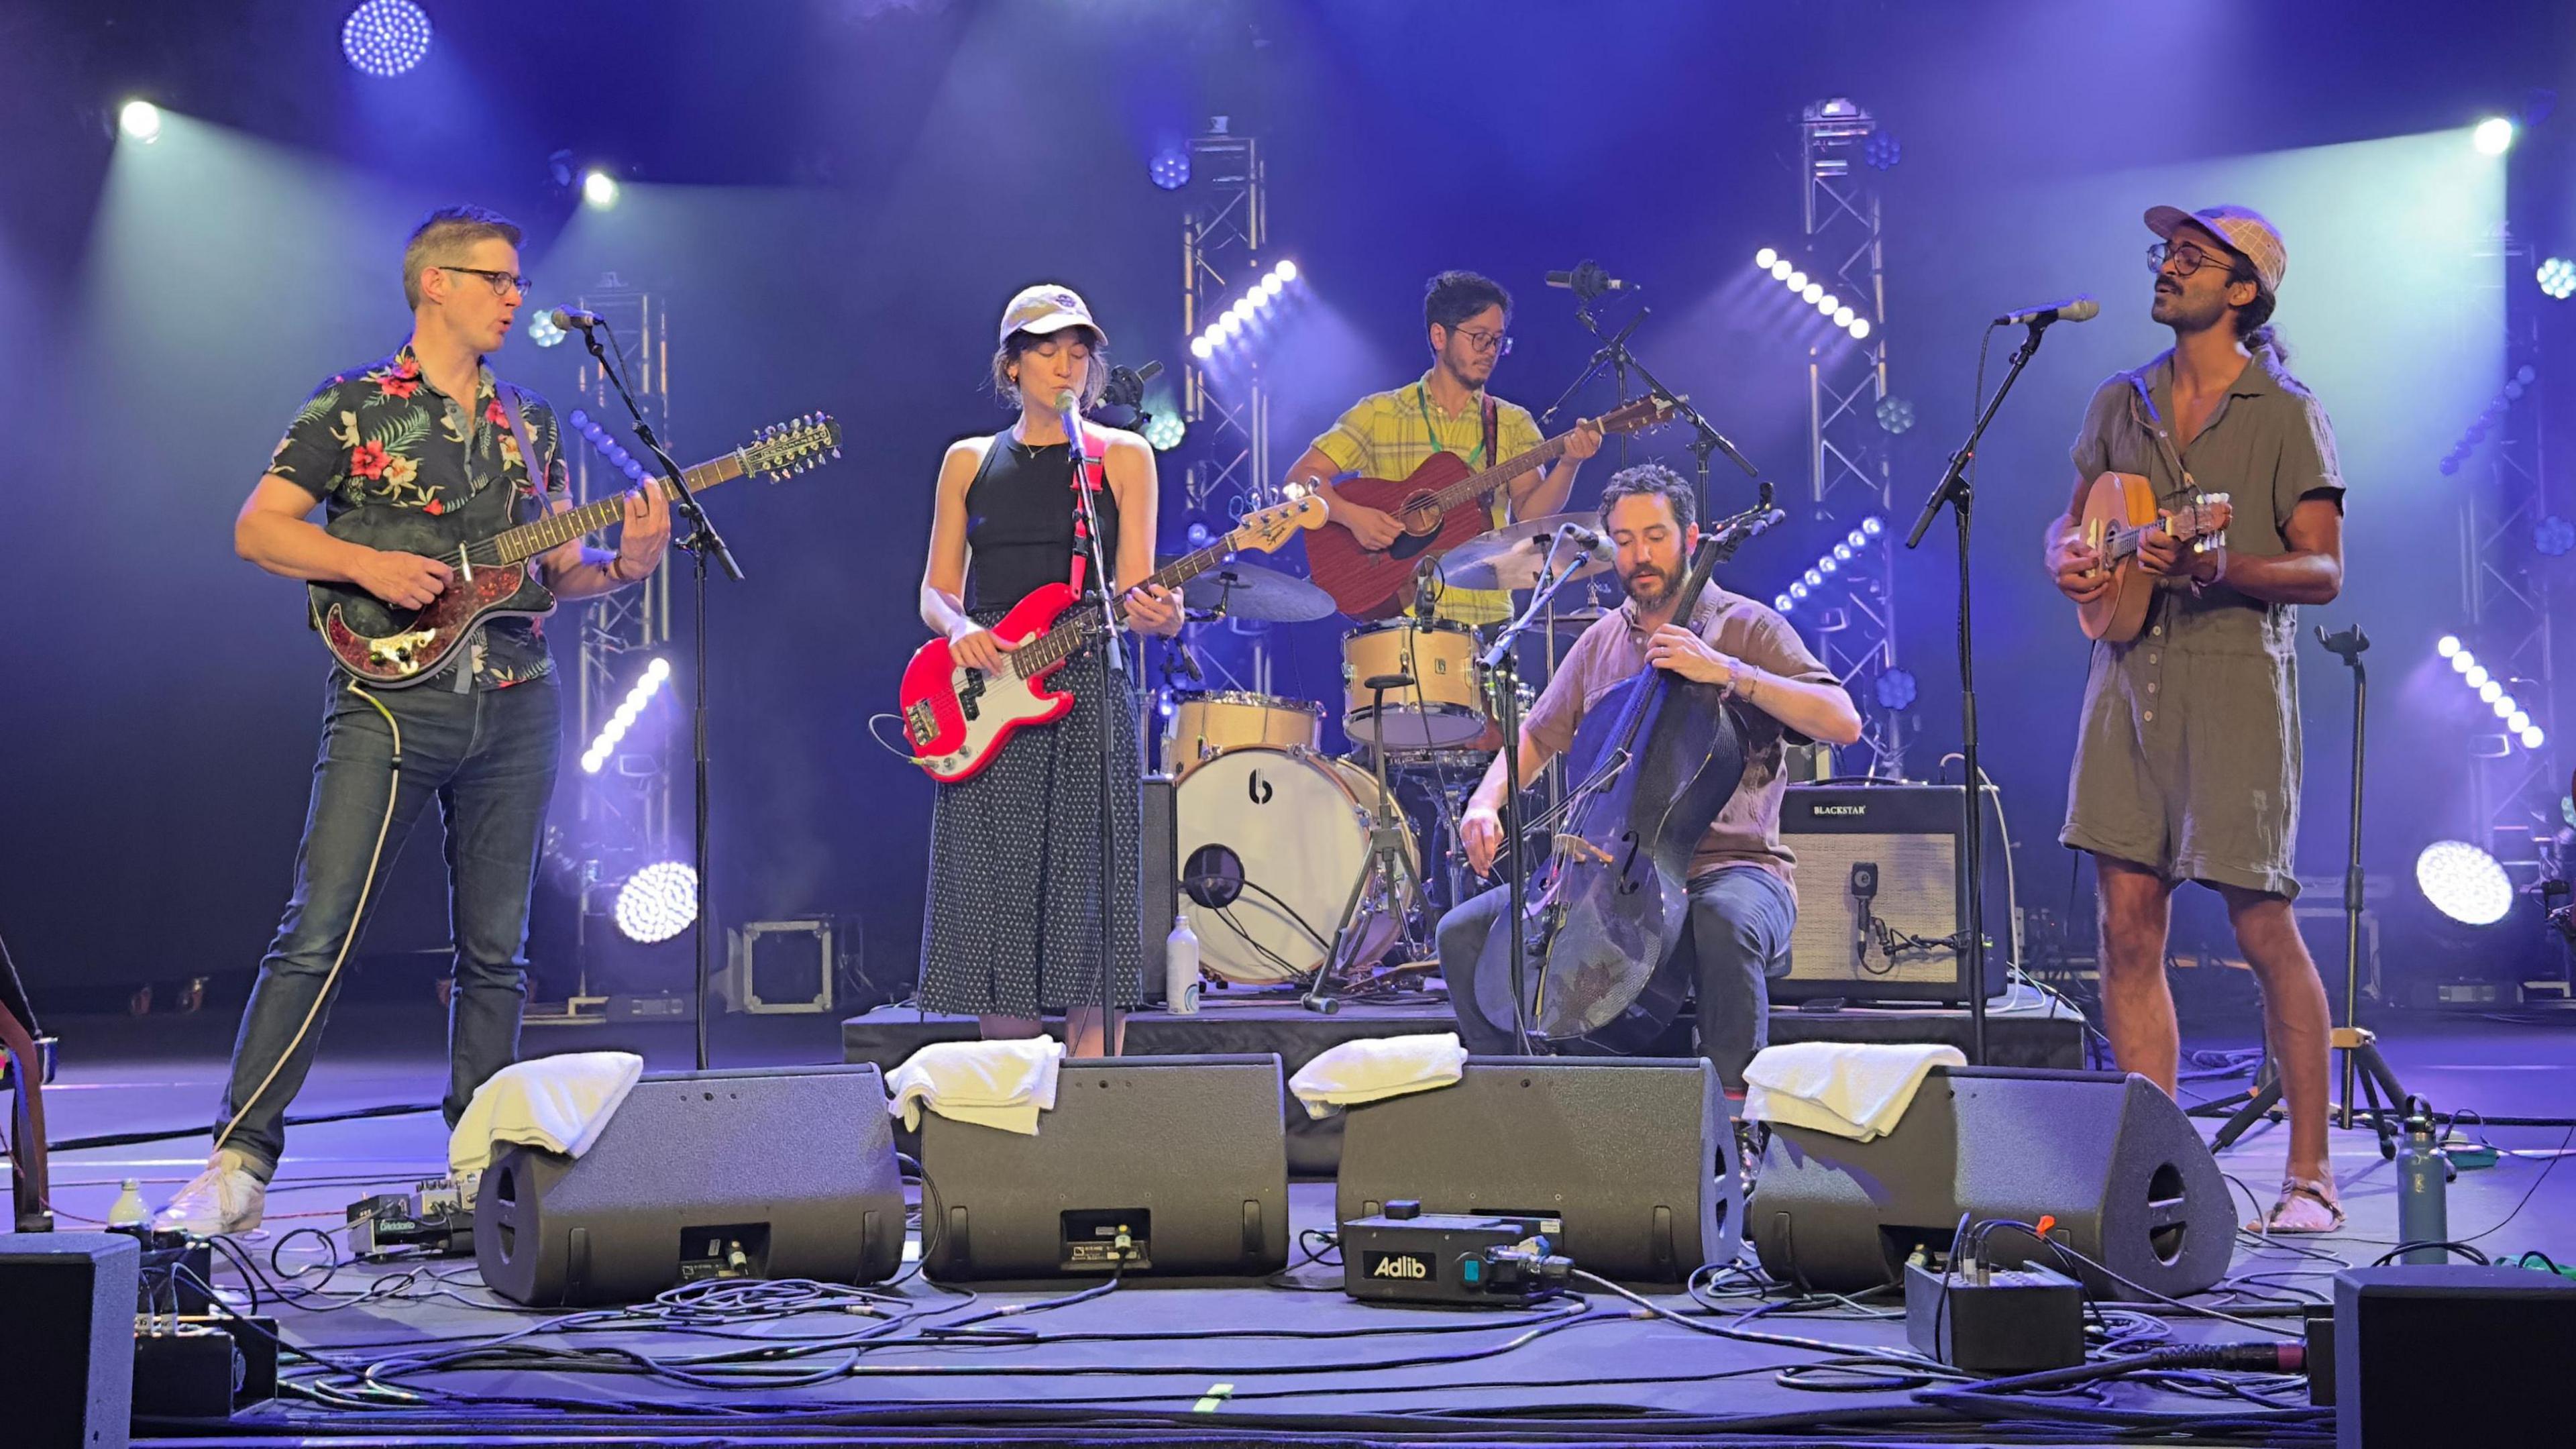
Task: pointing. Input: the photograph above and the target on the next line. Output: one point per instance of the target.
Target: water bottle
(2421, 1176)
(129, 1211)
(1181, 969)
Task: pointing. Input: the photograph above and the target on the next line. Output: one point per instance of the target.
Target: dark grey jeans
(488, 758)
(1741, 919)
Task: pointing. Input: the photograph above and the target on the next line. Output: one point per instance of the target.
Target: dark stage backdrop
(835, 197)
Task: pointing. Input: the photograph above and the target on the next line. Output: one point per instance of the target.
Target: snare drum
(1274, 840)
(1206, 725)
(1442, 709)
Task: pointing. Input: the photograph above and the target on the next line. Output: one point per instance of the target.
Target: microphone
(1585, 541)
(2073, 309)
(569, 318)
(1188, 659)
(1126, 386)
(1587, 281)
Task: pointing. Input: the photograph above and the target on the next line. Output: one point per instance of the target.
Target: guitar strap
(1494, 444)
(1093, 475)
(2142, 410)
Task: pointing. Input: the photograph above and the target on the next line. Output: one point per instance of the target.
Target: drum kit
(1283, 848)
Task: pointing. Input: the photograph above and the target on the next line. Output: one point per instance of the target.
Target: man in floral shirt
(427, 428)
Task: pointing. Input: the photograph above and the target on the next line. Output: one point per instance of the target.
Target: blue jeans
(488, 757)
(1741, 919)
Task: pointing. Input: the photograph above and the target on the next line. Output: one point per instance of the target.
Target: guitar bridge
(396, 651)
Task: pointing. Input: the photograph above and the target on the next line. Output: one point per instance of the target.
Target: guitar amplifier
(1880, 909)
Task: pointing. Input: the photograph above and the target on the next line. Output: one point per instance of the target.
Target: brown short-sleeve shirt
(1613, 651)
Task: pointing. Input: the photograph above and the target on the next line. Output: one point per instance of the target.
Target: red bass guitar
(957, 718)
(1441, 506)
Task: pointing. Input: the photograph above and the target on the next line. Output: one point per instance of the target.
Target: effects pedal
(1406, 1255)
(437, 1217)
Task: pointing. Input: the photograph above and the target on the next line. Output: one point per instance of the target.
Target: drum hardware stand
(2363, 1066)
(1956, 490)
(1386, 862)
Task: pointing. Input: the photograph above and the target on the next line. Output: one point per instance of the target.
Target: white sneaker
(225, 1198)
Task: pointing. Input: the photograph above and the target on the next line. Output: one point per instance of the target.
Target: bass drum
(1269, 844)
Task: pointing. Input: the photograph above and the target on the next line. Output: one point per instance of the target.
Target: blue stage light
(1895, 689)
(2553, 536)
(658, 902)
(1165, 431)
(2464, 883)
(1873, 525)
(2558, 277)
(1170, 169)
(2493, 137)
(384, 38)
(1895, 414)
(140, 120)
(543, 331)
(1783, 602)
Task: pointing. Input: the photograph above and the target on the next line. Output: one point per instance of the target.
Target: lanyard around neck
(1422, 400)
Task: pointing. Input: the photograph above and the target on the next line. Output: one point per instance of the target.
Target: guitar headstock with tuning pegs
(782, 450)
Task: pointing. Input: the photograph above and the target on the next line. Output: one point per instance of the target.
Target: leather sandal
(2320, 1193)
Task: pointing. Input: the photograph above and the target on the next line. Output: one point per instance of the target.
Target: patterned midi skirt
(1013, 924)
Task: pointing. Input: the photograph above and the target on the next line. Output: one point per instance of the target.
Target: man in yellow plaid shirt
(1389, 434)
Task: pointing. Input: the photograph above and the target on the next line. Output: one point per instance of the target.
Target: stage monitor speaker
(2131, 1184)
(1161, 874)
(784, 1172)
(1879, 866)
(2425, 1352)
(1161, 1165)
(1633, 1156)
(67, 1337)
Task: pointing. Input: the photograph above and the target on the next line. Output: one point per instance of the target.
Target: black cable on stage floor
(173, 1134)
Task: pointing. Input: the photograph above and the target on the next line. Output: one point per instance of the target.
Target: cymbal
(1247, 590)
(1510, 557)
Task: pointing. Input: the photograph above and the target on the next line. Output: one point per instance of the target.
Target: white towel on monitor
(1377, 1067)
(559, 1103)
(1850, 1089)
(1003, 1084)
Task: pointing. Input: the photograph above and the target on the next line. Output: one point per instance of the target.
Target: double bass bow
(1657, 758)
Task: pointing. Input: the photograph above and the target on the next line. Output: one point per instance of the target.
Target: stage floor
(1234, 1364)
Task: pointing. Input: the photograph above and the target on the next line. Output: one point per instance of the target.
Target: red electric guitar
(1441, 506)
(957, 718)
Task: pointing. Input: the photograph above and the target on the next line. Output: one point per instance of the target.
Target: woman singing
(1013, 933)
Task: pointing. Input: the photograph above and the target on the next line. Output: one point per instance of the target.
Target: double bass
(1656, 758)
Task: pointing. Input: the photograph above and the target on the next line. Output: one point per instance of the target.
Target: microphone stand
(703, 541)
(1960, 494)
(1117, 671)
(1502, 678)
(1614, 353)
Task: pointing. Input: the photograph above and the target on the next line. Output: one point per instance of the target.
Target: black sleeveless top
(1019, 523)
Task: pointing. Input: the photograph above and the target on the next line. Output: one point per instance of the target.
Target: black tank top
(1019, 522)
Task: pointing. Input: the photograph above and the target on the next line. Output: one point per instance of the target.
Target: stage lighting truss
(385, 38)
(2557, 277)
(141, 121)
(2494, 694)
(658, 902)
(1249, 318)
(1225, 399)
(2464, 883)
(613, 733)
(1849, 558)
(2488, 418)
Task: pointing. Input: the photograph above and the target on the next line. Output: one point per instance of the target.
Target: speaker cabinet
(1625, 1153)
(2131, 1185)
(1879, 870)
(1161, 1165)
(2423, 1352)
(67, 1337)
(772, 1173)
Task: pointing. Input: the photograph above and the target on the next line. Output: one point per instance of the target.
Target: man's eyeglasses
(503, 283)
(1494, 342)
(2186, 257)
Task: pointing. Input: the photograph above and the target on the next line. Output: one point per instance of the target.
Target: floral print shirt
(382, 435)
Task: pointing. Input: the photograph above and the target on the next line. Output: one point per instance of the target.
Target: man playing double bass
(1744, 901)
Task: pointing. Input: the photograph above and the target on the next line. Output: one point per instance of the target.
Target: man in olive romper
(2187, 767)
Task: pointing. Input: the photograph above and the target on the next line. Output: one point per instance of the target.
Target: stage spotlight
(1797, 281)
(1882, 151)
(1829, 304)
(2462, 661)
(1811, 292)
(1271, 287)
(2553, 536)
(1895, 689)
(1285, 271)
(1873, 525)
(2518, 721)
(384, 38)
(2493, 137)
(1860, 329)
(1170, 169)
(1797, 590)
(658, 902)
(1843, 552)
(2558, 277)
(2490, 690)
(2504, 706)
(140, 120)
(2448, 645)
(2532, 738)
(1855, 538)
(2463, 883)
(543, 330)
(628, 711)
(1895, 414)
(1783, 603)
(1827, 565)
(1202, 349)
(1765, 257)
(1780, 269)
(1815, 578)
(599, 189)
(2477, 676)
(1164, 431)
